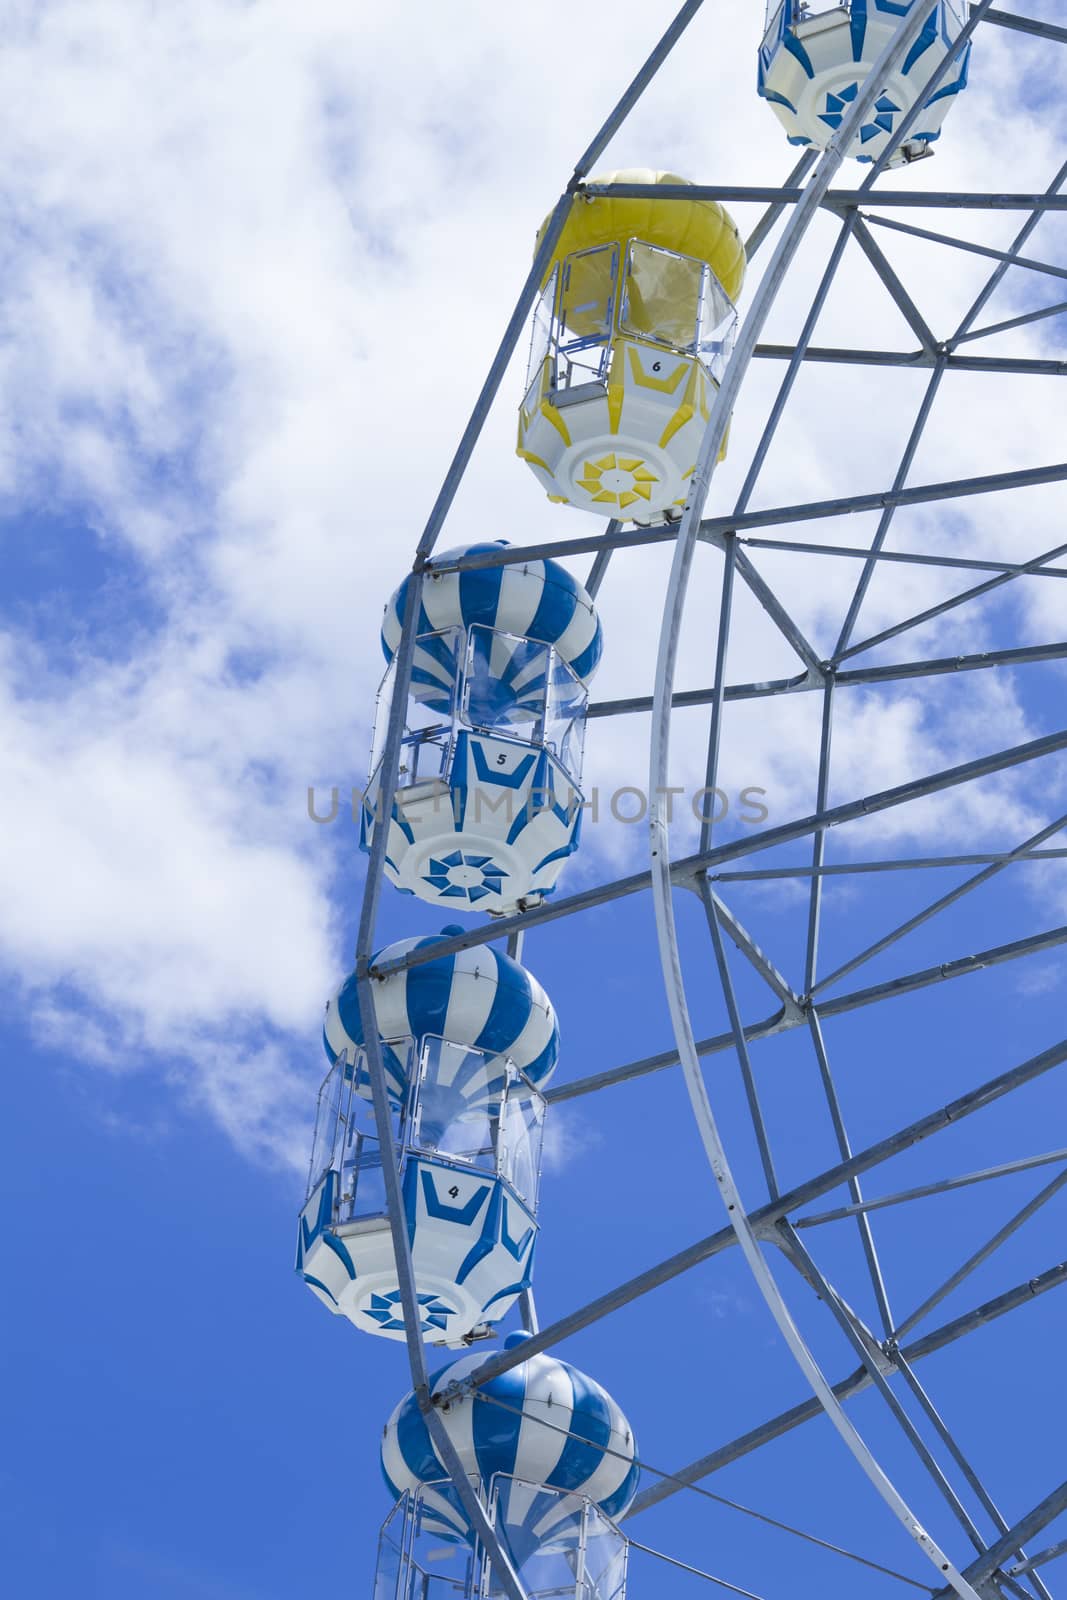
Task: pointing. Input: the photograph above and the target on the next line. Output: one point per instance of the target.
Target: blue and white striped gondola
(813, 60)
(489, 802)
(478, 997)
(459, 1026)
(553, 1427)
(539, 601)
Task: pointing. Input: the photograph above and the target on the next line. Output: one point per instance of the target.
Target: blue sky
(182, 1416)
(247, 304)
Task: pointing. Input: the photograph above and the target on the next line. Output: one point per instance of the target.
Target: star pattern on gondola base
(837, 105)
(387, 1312)
(465, 876)
(618, 480)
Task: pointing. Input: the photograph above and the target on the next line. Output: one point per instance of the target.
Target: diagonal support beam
(925, 1190)
(763, 227)
(873, 1362)
(712, 527)
(991, 328)
(1006, 1546)
(941, 904)
(446, 1450)
(997, 277)
(844, 1145)
(748, 947)
(1041, 1558)
(778, 614)
(781, 399)
(1022, 1294)
(1051, 939)
(904, 864)
(744, 1061)
(635, 89)
(892, 988)
(1013, 1224)
(684, 870)
(1009, 257)
(1026, 655)
(766, 1216)
(835, 199)
(975, 1482)
(1040, 30)
(885, 520)
(909, 557)
(974, 593)
(902, 299)
(919, 360)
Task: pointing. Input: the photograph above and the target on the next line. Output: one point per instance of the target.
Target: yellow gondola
(633, 328)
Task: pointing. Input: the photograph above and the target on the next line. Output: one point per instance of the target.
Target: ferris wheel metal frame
(1000, 1566)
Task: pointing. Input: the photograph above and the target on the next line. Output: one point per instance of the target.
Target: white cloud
(1040, 980)
(569, 1138)
(255, 265)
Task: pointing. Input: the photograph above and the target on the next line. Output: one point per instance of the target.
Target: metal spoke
(711, 766)
(874, 1266)
(907, 983)
(765, 224)
(885, 520)
(1022, 1294)
(908, 557)
(936, 906)
(785, 389)
(1009, 257)
(696, 1572)
(1026, 655)
(997, 277)
(598, 571)
(924, 1190)
(747, 946)
(919, 359)
(873, 1361)
(777, 613)
(834, 199)
(744, 1061)
(939, 610)
(1011, 1226)
(1013, 322)
(711, 528)
(446, 1450)
(719, 1499)
(1020, 1534)
(903, 300)
(951, 1444)
(689, 866)
(1044, 1556)
(1042, 30)
(765, 1217)
(905, 864)
(635, 89)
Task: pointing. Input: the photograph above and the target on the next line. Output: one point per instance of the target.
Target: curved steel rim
(659, 825)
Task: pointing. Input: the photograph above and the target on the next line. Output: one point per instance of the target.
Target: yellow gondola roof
(700, 228)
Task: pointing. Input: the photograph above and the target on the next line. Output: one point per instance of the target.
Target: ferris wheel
(515, 1473)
